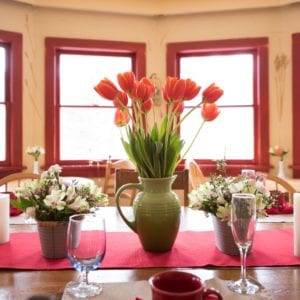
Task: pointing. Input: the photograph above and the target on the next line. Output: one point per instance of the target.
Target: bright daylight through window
(87, 130)
(2, 105)
(235, 124)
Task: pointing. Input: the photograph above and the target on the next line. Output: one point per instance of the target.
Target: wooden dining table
(281, 282)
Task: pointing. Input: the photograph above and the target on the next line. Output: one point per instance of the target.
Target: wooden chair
(108, 184)
(10, 182)
(181, 182)
(196, 176)
(276, 183)
(122, 177)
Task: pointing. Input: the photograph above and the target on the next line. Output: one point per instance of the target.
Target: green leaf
(155, 133)
(22, 203)
(155, 154)
(163, 129)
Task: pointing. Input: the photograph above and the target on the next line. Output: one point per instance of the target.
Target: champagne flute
(243, 221)
(86, 245)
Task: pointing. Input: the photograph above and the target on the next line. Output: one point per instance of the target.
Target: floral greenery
(35, 151)
(214, 196)
(278, 151)
(155, 149)
(51, 199)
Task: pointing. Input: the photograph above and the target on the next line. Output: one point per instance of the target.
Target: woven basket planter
(223, 237)
(53, 238)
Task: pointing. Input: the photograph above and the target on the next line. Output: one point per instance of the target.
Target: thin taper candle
(4, 218)
(296, 224)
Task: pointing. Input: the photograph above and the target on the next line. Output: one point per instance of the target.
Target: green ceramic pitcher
(156, 212)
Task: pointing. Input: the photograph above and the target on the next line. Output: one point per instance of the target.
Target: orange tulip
(191, 89)
(122, 118)
(142, 90)
(212, 93)
(209, 111)
(121, 100)
(178, 107)
(278, 151)
(126, 81)
(106, 89)
(174, 89)
(150, 84)
(147, 105)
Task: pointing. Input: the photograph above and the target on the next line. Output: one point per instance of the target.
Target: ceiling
(157, 7)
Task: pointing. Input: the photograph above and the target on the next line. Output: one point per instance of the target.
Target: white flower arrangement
(35, 151)
(214, 196)
(50, 198)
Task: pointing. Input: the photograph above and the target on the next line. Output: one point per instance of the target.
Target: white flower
(30, 211)
(71, 193)
(223, 212)
(35, 151)
(207, 190)
(95, 190)
(214, 197)
(51, 199)
(55, 200)
(261, 188)
(195, 200)
(80, 204)
(24, 190)
(44, 174)
(236, 187)
(55, 168)
(221, 199)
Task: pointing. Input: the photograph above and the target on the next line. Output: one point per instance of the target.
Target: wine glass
(248, 173)
(5, 294)
(243, 221)
(86, 245)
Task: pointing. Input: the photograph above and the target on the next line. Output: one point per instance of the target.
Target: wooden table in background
(282, 282)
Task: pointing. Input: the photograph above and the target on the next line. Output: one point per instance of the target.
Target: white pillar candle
(296, 206)
(4, 218)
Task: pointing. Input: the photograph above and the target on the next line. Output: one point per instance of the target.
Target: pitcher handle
(130, 224)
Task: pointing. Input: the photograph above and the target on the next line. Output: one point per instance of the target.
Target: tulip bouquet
(154, 149)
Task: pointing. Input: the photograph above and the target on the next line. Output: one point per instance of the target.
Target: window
(77, 102)
(296, 104)
(10, 102)
(82, 122)
(240, 133)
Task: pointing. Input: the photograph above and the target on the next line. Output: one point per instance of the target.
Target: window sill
(233, 169)
(4, 171)
(94, 171)
(296, 170)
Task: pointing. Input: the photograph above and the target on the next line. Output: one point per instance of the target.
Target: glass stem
(243, 252)
(84, 276)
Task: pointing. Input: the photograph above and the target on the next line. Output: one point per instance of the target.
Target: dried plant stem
(281, 63)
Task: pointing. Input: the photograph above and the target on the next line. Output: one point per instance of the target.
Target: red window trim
(55, 46)
(14, 147)
(261, 94)
(296, 103)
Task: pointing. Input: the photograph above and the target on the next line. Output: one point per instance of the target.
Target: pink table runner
(191, 249)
